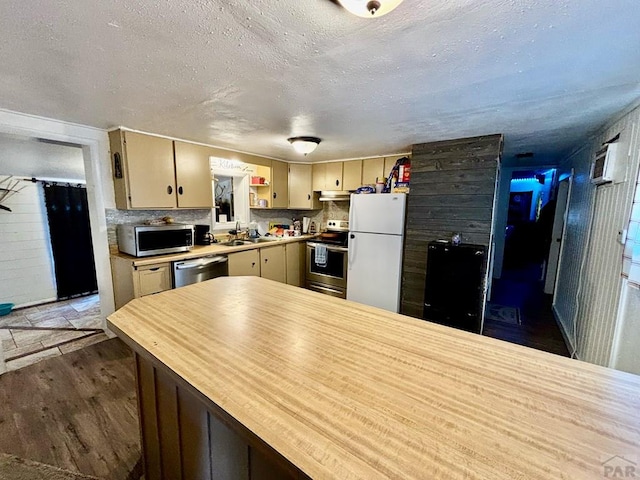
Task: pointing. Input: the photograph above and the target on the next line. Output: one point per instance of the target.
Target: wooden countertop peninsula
(346, 391)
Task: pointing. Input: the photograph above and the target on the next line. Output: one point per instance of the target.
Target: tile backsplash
(116, 217)
(330, 210)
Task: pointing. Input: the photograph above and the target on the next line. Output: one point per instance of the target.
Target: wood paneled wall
(452, 191)
(184, 437)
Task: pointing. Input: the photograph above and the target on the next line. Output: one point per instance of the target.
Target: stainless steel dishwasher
(199, 269)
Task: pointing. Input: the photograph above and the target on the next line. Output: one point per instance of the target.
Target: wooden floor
(521, 288)
(31, 334)
(77, 411)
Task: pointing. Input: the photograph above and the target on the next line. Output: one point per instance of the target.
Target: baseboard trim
(565, 335)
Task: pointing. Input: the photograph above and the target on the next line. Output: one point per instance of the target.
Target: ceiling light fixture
(304, 145)
(370, 8)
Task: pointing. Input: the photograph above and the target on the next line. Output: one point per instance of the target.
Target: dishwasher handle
(200, 263)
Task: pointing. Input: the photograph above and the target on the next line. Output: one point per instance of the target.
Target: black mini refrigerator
(453, 290)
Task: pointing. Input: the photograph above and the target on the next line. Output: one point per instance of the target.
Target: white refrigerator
(376, 224)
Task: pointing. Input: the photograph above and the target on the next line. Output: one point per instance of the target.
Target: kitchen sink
(260, 240)
(234, 243)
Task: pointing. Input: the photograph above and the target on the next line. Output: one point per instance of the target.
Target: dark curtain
(70, 231)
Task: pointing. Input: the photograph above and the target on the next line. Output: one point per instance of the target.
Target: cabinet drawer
(152, 279)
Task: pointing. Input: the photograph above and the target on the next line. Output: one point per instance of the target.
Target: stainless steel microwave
(147, 240)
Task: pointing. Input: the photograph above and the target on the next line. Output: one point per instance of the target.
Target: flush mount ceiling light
(370, 8)
(304, 145)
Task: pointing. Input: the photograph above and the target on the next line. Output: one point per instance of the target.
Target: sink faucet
(235, 233)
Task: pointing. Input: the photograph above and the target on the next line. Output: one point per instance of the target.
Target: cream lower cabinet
(245, 263)
(131, 282)
(295, 254)
(151, 279)
(272, 263)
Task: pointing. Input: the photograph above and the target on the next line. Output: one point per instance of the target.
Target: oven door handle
(315, 286)
(330, 248)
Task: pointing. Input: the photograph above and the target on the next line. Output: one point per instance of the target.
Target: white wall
(30, 157)
(590, 283)
(26, 265)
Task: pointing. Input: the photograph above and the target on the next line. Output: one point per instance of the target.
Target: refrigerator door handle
(352, 250)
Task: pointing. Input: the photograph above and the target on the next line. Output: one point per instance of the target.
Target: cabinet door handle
(253, 264)
(266, 260)
(337, 182)
(180, 190)
(154, 269)
(169, 190)
(275, 194)
(309, 197)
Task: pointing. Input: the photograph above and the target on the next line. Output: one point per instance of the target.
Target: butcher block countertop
(205, 250)
(348, 391)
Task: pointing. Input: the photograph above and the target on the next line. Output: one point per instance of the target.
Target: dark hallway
(522, 288)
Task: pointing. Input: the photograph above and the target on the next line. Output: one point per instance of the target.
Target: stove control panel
(339, 225)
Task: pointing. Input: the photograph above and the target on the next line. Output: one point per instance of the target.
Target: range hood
(335, 196)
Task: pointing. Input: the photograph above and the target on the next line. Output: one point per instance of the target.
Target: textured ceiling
(248, 74)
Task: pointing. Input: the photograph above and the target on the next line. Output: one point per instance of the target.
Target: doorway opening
(48, 258)
(519, 310)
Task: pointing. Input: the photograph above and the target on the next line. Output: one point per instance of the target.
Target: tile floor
(32, 334)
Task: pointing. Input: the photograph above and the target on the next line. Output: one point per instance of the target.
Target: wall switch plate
(622, 236)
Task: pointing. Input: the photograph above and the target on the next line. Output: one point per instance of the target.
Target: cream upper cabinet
(193, 175)
(319, 174)
(143, 170)
(389, 163)
(333, 177)
(279, 184)
(245, 263)
(372, 169)
(327, 176)
(148, 175)
(272, 263)
(352, 175)
(301, 195)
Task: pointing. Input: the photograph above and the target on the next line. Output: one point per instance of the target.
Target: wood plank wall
(452, 190)
(185, 437)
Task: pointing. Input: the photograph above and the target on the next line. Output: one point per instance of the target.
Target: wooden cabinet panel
(327, 176)
(319, 173)
(389, 163)
(301, 196)
(150, 172)
(352, 175)
(372, 168)
(272, 263)
(333, 176)
(279, 184)
(295, 258)
(262, 191)
(151, 279)
(245, 263)
(193, 175)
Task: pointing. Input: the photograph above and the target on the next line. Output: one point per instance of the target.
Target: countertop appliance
(375, 249)
(147, 240)
(453, 291)
(326, 265)
(199, 269)
(202, 235)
